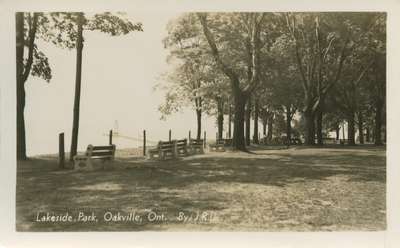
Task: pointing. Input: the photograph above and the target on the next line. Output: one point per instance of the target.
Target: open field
(296, 189)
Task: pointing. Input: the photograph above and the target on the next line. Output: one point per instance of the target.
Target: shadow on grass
(164, 185)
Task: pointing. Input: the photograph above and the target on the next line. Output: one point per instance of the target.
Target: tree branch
(339, 70)
(31, 46)
(255, 54)
(355, 82)
(297, 53)
(211, 41)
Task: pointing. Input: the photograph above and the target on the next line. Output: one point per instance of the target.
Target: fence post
(61, 151)
(205, 136)
(189, 135)
(110, 137)
(169, 135)
(144, 143)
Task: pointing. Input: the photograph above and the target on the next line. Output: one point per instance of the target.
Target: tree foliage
(326, 66)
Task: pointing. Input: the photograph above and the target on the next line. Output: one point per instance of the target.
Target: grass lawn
(296, 189)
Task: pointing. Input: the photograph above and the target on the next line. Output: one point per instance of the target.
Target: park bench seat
(329, 140)
(164, 150)
(219, 145)
(103, 153)
(181, 148)
(228, 142)
(295, 141)
(196, 146)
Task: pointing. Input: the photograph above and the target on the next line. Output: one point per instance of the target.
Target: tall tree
(271, 119)
(78, 77)
(216, 91)
(190, 68)
(61, 29)
(268, 111)
(360, 123)
(378, 73)
(248, 120)
(267, 108)
(350, 92)
(352, 88)
(76, 23)
(35, 64)
(284, 86)
(321, 44)
(203, 82)
(243, 30)
(229, 118)
(379, 97)
(194, 84)
(21, 145)
(255, 125)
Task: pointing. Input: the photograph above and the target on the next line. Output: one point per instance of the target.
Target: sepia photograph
(200, 121)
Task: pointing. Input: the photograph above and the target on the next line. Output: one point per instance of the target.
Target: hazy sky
(118, 76)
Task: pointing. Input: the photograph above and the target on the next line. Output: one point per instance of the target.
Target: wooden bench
(164, 150)
(329, 140)
(181, 148)
(228, 142)
(103, 153)
(295, 141)
(219, 145)
(196, 146)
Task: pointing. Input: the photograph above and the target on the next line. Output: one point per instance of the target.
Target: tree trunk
(230, 122)
(23, 72)
(78, 78)
(270, 126)
(220, 120)
(360, 127)
(238, 125)
(288, 123)
(240, 96)
(384, 134)
(198, 104)
(337, 129)
(21, 142)
(319, 127)
(343, 133)
(367, 134)
(248, 116)
(310, 127)
(378, 123)
(256, 112)
(351, 129)
(198, 116)
(373, 135)
(264, 128)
